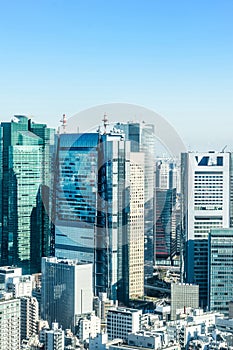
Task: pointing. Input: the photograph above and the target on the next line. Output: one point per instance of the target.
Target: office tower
(167, 174)
(54, 338)
(183, 296)
(111, 241)
(205, 205)
(165, 226)
(136, 227)
(220, 270)
(76, 180)
(142, 137)
(10, 324)
(25, 164)
(66, 291)
(99, 209)
(122, 321)
(29, 316)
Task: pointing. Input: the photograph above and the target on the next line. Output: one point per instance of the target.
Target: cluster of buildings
(85, 218)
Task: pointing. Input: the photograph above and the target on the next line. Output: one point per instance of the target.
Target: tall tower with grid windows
(206, 205)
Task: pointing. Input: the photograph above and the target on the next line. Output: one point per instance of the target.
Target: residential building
(220, 270)
(67, 290)
(10, 324)
(88, 326)
(54, 338)
(205, 205)
(7, 272)
(29, 317)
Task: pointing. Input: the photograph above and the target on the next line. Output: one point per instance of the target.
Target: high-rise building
(76, 181)
(99, 210)
(113, 207)
(142, 137)
(67, 290)
(220, 270)
(165, 226)
(205, 205)
(25, 178)
(136, 227)
(10, 324)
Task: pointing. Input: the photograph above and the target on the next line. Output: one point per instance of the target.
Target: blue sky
(173, 56)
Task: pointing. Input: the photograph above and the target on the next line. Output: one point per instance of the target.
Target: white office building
(122, 321)
(205, 205)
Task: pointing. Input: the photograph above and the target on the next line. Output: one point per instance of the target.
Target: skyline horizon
(189, 146)
(174, 57)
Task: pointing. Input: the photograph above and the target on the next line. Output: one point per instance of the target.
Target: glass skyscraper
(76, 175)
(25, 165)
(95, 180)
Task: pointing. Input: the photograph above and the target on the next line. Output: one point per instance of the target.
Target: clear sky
(173, 56)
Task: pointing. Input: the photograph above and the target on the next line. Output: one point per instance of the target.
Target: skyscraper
(25, 165)
(220, 264)
(99, 189)
(165, 225)
(142, 137)
(111, 259)
(76, 181)
(205, 205)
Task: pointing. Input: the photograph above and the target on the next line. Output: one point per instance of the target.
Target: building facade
(166, 242)
(10, 324)
(25, 178)
(205, 205)
(122, 321)
(67, 291)
(220, 264)
(183, 296)
(142, 137)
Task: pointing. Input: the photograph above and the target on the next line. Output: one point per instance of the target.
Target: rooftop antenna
(63, 122)
(106, 123)
(223, 150)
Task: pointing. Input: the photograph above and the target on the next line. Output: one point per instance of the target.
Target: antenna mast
(106, 123)
(63, 122)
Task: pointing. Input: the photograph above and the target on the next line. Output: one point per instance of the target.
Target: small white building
(88, 326)
(122, 321)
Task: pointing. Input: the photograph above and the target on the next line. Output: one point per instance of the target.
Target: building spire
(106, 123)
